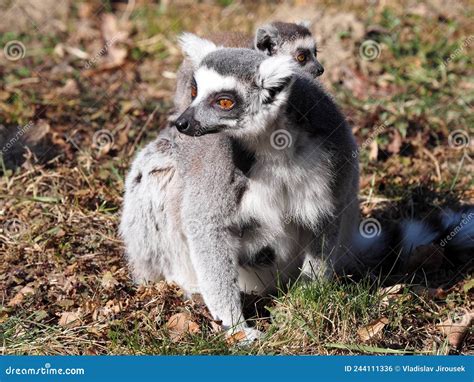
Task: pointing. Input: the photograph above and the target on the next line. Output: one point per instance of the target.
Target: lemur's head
(290, 39)
(237, 91)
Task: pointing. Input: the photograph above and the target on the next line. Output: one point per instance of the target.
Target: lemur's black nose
(182, 124)
(320, 71)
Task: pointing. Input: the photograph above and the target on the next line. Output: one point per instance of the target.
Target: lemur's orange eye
(225, 103)
(301, 57)
(194, 91)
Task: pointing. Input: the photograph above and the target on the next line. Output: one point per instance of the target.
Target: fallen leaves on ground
(181, 324)
(456, 327)
(70, 319)
(371, 330)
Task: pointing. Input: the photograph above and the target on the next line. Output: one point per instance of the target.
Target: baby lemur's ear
(305, 23)
(266, 39)
(274, 75)
(196, 48)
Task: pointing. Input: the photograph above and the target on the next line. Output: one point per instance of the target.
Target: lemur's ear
(305, 23)
(266, 38)
(196, 48)
(274, 75)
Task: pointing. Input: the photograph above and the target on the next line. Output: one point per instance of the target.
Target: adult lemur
(296, 204)
(175, 170)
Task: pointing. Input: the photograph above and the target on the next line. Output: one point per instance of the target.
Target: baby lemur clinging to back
(276, 38)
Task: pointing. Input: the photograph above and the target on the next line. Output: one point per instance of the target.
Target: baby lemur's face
(290, 39)
(237, 91)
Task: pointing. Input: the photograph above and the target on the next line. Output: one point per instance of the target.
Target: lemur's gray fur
(210, 247)
(294, 210)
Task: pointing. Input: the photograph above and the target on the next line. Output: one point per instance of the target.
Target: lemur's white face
(238, 103)
(290, 39)
(305, 53)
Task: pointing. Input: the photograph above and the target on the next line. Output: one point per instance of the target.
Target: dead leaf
(393, 289)
(71, 319)
(370, 331)
(456, 327)
(76, 52)
(20, 296)
(70, 89)
(374, 150)
(468, 286)
(112, 35)
(434, 293)
(216, 328)
(391, 294)
(396, 143)
(27, 290)
(236, 337)
(16, 300)
(3, 316)
(179, 324)
(108, 281)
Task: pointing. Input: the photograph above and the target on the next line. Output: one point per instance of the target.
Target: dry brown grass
(64, 285)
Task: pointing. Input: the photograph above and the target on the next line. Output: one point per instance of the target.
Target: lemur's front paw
(243, 336)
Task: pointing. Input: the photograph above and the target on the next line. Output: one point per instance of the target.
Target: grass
(59, 207)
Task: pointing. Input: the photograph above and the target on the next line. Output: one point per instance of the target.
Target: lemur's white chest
(288, 188)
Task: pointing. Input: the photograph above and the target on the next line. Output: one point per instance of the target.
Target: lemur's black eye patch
(193, 88)
(302, 55)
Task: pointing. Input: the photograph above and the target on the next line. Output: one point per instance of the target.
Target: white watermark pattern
(459, 139)
(281, 139)
(378, 130)
(100, 53)
(102, 138)
(13, 227)
(16, 137)
(45, 370)
(370, 228)
(14, 50)
(369, 50)
(465, 44)
(466, 219)
(193, 228)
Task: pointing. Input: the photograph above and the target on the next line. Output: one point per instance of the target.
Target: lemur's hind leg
(151, 221)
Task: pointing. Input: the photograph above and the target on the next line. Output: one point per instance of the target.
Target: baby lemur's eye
(194, 91)
(301, 57)
(225, 103)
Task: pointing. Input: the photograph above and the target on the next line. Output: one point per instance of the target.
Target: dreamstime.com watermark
(22, 131)
(45, 370)
(90, 63)
(465, 220)
(465, 44)
(378, 130)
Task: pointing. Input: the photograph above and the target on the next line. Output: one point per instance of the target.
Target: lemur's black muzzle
(186, 123)
(319, 69)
